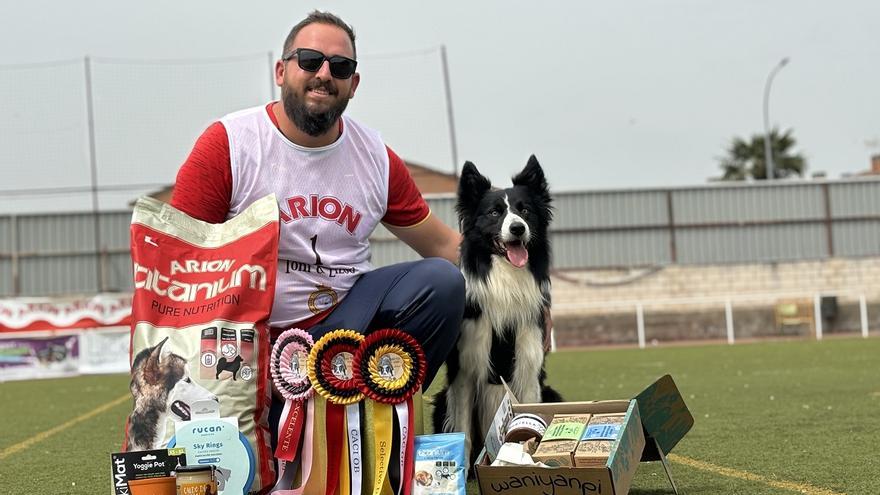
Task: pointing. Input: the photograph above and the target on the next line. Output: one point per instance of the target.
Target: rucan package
(202, 298)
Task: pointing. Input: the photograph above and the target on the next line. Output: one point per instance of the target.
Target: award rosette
(289, 373)
(390, 367)
(331, 370)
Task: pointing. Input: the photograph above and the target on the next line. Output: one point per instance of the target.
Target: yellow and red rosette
(390, 367)
(331, 371)
(330, 367)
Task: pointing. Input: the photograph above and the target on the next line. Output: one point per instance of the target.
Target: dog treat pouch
(439, 465)
(202, 297)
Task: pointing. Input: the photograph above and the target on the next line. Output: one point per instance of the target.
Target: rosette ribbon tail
(355, 448)
(391, 368)
(406, 420)
(315, 474)
(331, 371)
(383, 419)
(335, 438)
(290, 429)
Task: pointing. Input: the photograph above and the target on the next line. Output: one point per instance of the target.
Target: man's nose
(324, 71)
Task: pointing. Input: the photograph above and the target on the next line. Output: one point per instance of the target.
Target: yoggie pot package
(202, 297)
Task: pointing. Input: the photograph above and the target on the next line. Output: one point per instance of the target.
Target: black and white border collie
(505, 260)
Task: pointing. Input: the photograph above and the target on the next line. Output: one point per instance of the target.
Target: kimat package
(439, 465)
(143, 465)
(202, 297)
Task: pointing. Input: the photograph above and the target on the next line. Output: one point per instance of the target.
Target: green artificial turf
(769, 417)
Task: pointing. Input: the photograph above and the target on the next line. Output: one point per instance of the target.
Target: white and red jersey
(330, 201)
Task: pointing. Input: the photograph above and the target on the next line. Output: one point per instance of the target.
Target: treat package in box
(561, 439)
(439, 465)
(598, 438)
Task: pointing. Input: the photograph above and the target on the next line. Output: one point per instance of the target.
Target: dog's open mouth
(516, 253)
(181, 410)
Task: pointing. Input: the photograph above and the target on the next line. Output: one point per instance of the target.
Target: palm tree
(745, 159)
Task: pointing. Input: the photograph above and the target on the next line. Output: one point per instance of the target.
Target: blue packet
(439, 465)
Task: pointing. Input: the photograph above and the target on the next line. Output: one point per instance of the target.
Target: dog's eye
(524, 211)
(494, 213)
(188, 380)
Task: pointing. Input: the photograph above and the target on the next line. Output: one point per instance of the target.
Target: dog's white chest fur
(510, 300)
(509, 297)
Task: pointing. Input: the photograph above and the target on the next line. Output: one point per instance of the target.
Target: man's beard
(312, 123)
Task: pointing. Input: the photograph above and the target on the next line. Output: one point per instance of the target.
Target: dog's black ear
(471, 188)
(532, 177)
(152, 364)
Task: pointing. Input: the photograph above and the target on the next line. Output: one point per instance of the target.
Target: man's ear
(279, 72)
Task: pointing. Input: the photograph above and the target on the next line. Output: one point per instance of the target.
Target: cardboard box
(654, 422)
(561, 439)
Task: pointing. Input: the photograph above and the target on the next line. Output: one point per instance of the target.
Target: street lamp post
(768, 152)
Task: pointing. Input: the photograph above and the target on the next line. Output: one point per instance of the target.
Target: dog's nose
(517, 229)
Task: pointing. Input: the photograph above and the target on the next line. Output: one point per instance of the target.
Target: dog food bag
(439, 465)
(202, 297)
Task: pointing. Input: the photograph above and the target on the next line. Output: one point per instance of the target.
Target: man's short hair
(316, 16)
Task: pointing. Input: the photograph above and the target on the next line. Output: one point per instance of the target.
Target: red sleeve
(204, 182)
(406, 206)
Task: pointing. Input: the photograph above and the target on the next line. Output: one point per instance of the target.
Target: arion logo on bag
(223, 276)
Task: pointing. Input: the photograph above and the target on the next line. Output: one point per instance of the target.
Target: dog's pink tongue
(517, 254)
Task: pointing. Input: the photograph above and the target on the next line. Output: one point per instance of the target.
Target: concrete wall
(681, 302)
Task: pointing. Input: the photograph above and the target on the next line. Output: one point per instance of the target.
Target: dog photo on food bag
(162, 390)
(505, 260)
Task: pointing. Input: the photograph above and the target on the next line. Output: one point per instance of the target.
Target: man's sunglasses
(311, 61)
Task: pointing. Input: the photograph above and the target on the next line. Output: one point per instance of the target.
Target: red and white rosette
(288, 369)
(390, 367)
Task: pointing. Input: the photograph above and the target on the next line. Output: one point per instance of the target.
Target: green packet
(566, 428)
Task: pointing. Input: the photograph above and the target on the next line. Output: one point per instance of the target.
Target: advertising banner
(39, 357)
(25, 314)
(47, 337)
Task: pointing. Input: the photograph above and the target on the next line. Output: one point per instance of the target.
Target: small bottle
(196, 480)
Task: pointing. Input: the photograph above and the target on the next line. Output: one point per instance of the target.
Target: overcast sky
(625, 94)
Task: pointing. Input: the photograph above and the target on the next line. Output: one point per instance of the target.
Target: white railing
(754, 301)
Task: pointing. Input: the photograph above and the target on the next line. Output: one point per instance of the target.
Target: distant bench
(795, 313)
